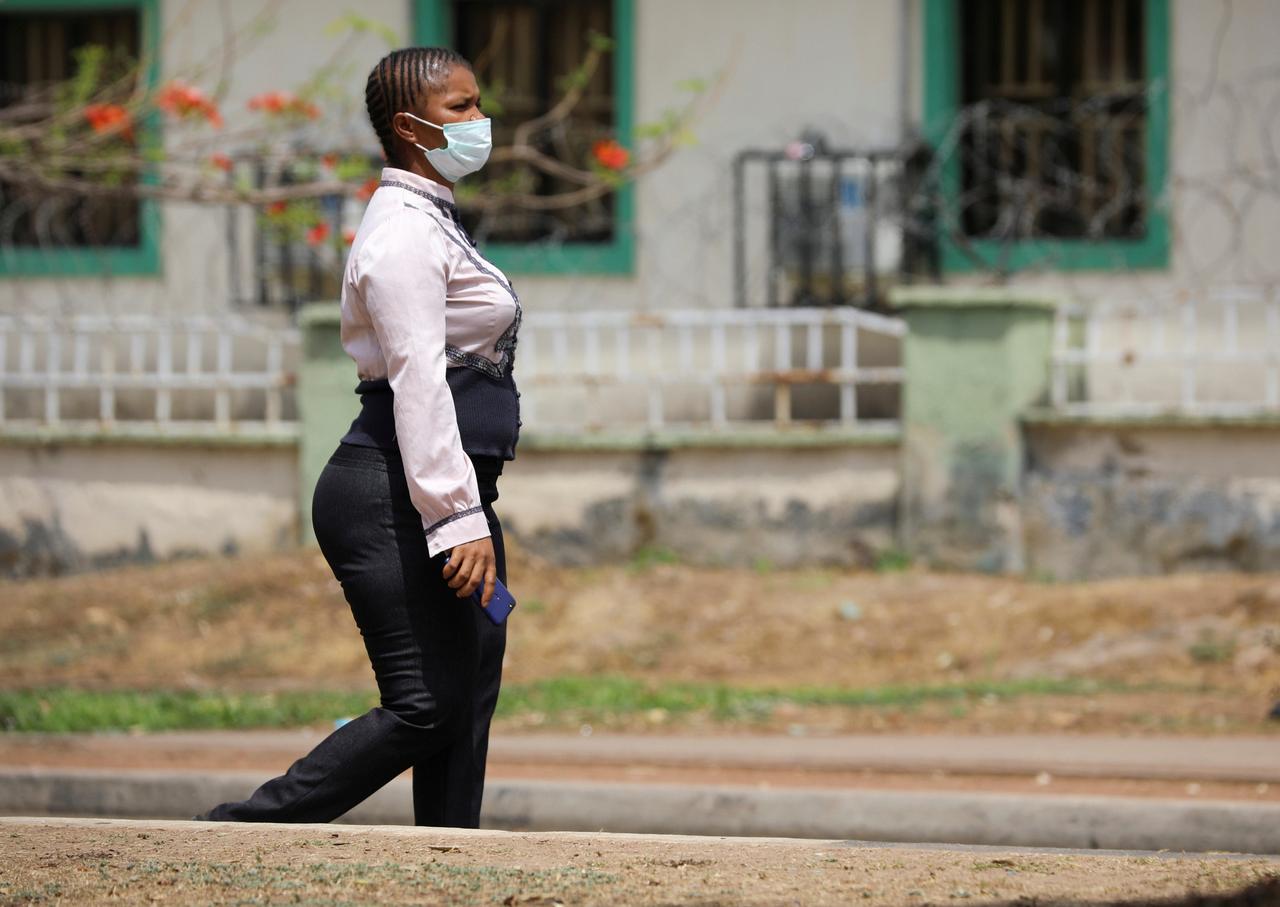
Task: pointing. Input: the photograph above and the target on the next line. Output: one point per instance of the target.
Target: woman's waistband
(389, 458)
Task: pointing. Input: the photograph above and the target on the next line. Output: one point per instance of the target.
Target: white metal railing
(690, 360)
(159, 356)
(1211, 354)
(612, 371)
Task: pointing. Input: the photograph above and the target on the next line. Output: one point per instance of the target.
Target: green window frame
(941, 103)
(112, 261)
(433, 26)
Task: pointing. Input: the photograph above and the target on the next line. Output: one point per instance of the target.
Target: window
(1058, 112)
(522, 50)
(43, 233)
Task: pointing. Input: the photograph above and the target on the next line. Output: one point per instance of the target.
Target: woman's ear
(402, 126)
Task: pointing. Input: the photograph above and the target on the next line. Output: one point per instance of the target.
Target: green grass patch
(589, 699)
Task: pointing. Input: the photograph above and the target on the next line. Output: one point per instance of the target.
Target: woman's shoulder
(399, 229)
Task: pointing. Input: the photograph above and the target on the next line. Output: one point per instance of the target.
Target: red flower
(348, 236)
(179, 99)
(365, 192)
(610, 155)
(105, 118)
(318, 234)
(277, 208)
(221, 161)
(278, 103)
(329, 160)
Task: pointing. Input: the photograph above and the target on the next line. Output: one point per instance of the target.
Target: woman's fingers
(462, 569)
(470, 568)
(490, 579)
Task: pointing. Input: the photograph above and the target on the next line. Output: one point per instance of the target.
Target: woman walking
(403, 509)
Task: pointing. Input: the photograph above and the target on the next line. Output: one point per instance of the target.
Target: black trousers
(437, 659)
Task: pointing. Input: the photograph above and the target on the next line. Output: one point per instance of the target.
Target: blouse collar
(419, 182)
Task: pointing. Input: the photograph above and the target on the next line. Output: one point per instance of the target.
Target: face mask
(467, 147)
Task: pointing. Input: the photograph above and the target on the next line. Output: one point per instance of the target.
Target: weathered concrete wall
(786, 505)
(1115, 500)
(74, 506)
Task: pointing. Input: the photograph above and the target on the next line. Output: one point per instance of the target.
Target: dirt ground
(119, 862)
(1207, 646)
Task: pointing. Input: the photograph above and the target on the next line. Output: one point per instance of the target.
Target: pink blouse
(418, 298)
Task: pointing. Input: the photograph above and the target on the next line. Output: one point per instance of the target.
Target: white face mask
(467, 147)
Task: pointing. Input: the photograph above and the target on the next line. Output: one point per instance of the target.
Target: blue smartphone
(500, 603)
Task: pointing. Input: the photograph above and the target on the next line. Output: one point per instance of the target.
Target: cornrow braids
(396, 83)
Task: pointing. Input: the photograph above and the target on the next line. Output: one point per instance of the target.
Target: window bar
(164, 366)
(53, 380)
(837, 251)
(751, 349)
(775, 233)
(872, 290)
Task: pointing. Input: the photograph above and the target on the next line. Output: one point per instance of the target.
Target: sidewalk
(1085, 792)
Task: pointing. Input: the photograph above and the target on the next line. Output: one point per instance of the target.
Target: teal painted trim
(104, 261)
(433, 25)
(941, 103)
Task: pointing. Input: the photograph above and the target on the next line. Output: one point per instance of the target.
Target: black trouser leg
(448, 784)
(431, 653)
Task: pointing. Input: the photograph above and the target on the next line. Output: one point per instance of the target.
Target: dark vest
(488, 412)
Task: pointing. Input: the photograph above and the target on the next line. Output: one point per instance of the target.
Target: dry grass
(280, 622)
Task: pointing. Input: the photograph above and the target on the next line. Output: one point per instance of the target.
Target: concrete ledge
(144, 434)
(951, 818)
(1170, 419)
(766, 437)
(965, 297)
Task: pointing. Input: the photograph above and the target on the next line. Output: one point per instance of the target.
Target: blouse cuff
(463, 526)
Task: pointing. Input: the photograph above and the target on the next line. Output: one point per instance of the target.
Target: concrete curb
(1110, 823)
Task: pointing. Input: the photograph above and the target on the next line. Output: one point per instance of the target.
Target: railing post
(975, 360)
(326, 400)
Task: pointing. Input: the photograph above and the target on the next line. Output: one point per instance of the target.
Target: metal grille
(1059, 147)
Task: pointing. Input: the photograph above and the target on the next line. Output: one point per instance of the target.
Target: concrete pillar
(975, 360)
(327, 401)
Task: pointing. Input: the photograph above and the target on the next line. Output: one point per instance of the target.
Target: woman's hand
(472, 565)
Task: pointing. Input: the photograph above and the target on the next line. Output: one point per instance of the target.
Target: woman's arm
(401, 274)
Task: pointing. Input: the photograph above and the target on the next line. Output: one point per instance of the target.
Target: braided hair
(396, 83)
